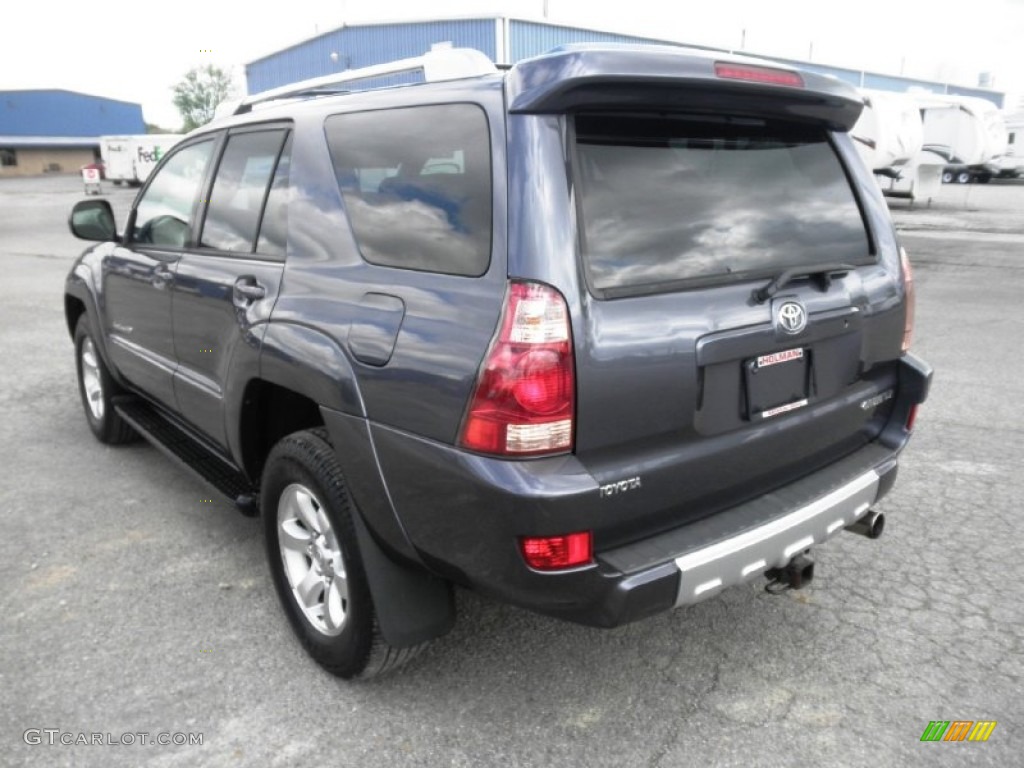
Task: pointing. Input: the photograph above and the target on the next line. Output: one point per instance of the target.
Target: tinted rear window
(417, 185)
(671, 202)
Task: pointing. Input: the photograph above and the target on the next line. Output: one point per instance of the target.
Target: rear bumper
(742, 543)
(463, 515)
(772, 545)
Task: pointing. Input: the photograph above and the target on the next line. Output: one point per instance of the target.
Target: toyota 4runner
(599, 335)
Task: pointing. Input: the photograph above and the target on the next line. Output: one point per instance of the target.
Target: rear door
(227, 284)
(686, 377)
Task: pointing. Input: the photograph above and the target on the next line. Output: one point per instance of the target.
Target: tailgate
(689, 377)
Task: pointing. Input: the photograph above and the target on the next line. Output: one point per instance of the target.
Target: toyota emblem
(791, 317)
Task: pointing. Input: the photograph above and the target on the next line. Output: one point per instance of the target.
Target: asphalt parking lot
(129, 605)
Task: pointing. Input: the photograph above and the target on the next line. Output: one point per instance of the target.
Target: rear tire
(97, 389)
(315, 561)
(963, 177)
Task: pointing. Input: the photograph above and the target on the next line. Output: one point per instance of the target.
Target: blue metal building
(56, 131)
(504, 40)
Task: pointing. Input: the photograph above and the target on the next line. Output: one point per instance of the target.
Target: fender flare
(311, 363)
(80, 285)
(412, 605)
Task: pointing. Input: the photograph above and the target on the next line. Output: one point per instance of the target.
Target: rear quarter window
(668, 203)
(416, 183)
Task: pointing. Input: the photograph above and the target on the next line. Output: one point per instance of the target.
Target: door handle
(162, 275)
(248, 290)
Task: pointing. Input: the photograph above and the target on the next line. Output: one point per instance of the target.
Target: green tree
(199, 93)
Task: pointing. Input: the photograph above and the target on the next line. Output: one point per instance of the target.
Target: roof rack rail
(439, 63)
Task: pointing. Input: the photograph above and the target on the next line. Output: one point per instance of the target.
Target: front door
(139, 276)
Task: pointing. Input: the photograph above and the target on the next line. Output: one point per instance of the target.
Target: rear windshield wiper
(823, 272)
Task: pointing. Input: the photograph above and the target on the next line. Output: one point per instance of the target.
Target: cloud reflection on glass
(671, 200)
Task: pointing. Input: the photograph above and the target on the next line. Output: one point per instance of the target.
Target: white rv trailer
(889, 132)
(1011, 164)
(963, 137)
(130, 159)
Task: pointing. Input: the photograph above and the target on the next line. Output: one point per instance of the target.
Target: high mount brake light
(524, 400)
(765, 75)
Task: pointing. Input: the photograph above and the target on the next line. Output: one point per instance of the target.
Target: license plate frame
(776, 383)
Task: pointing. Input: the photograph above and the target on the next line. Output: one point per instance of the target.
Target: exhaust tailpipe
(871, 525)
(796, 574)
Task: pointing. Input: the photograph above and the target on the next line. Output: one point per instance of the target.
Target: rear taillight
(548, 553)
(525, 392)
(753, 74)
(908, 289)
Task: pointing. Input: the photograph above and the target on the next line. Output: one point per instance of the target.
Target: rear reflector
(911, 298)
(911, 417)
(525, 393)
(766, 75)
(548, 553)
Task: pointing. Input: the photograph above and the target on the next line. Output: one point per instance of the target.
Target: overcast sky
(137, 50)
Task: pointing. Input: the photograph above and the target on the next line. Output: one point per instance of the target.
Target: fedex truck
(129, 159)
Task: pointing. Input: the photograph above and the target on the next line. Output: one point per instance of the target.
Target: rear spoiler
(622, 77)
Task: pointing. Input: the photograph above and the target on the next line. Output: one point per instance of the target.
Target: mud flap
(412, 605)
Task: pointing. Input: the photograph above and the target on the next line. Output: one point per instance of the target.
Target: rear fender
(412, 605)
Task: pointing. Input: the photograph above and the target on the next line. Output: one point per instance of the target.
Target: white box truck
(130, 159)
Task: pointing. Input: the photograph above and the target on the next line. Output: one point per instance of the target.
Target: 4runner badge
(877, 400)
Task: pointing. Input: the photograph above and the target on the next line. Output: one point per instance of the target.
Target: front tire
(97, 390)
(315, 560)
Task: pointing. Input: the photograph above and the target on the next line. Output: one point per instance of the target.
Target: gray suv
(599, 335)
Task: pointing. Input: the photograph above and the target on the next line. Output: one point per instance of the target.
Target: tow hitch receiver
(797, 574)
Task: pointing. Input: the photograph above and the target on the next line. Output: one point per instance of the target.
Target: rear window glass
(670, 202)
(417, 185)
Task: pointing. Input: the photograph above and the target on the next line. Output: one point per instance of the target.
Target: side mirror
(93, 220)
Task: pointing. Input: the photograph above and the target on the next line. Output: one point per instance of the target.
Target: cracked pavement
(129, 605)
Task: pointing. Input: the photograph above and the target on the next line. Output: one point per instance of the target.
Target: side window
(417, 185)
(236, 200)
(164, 214)
(274, 228)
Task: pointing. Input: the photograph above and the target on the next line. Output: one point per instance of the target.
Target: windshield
(670, 202)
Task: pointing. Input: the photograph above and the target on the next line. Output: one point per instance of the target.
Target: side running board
(177, 444)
